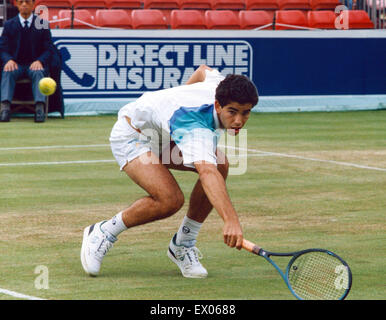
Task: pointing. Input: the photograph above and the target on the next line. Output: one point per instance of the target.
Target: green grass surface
(285, 202)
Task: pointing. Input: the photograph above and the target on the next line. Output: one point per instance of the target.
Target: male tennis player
(188, 118)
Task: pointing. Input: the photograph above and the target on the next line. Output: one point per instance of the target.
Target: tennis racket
(312, 274)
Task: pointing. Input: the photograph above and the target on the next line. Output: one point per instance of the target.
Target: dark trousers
(9, 78)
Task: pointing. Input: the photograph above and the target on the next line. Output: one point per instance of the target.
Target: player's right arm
(214, 186)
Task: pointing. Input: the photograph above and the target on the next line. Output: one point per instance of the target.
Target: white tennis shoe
(95, 246)
(187, 259)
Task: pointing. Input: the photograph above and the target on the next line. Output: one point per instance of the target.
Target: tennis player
(176, 128)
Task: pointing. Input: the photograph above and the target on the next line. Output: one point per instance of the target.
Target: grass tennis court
(313, 180)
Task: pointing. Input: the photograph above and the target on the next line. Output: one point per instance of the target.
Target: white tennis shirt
(186, 114)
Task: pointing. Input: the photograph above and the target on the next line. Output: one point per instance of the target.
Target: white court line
(261, 153)
(16, 164)
(56, 147)
(18, 295)
(268, 153)
(329, 161)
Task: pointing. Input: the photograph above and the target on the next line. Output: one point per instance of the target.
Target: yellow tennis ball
(47, 86)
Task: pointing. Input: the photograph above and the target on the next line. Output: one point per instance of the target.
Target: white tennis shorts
(127, 144)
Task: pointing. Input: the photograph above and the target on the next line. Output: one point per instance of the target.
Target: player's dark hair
(236, 88)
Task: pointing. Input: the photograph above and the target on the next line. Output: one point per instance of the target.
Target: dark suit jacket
(42, 49)
(40, 40)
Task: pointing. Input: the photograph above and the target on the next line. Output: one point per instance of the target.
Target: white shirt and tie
(24, 21)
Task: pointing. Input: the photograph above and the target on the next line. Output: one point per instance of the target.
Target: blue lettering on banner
(122, 67)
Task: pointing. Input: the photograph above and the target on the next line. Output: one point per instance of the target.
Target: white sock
(188, 232)
(115, 225)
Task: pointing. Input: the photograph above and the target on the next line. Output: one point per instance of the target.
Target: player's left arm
(199, 74)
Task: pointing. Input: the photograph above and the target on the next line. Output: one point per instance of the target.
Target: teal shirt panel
(186, 119)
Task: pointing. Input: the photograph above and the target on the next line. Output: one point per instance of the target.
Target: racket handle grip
(251, 247)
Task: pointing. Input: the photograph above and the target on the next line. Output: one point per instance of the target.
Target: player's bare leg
(165, 196)
(164, 199)
(183, 242)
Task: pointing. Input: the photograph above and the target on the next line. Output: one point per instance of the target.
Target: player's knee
(171, 204)
(176, 202)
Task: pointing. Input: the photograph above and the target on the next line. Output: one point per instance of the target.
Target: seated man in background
(25, 52)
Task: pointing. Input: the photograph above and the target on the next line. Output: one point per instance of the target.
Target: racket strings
(318, 276)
